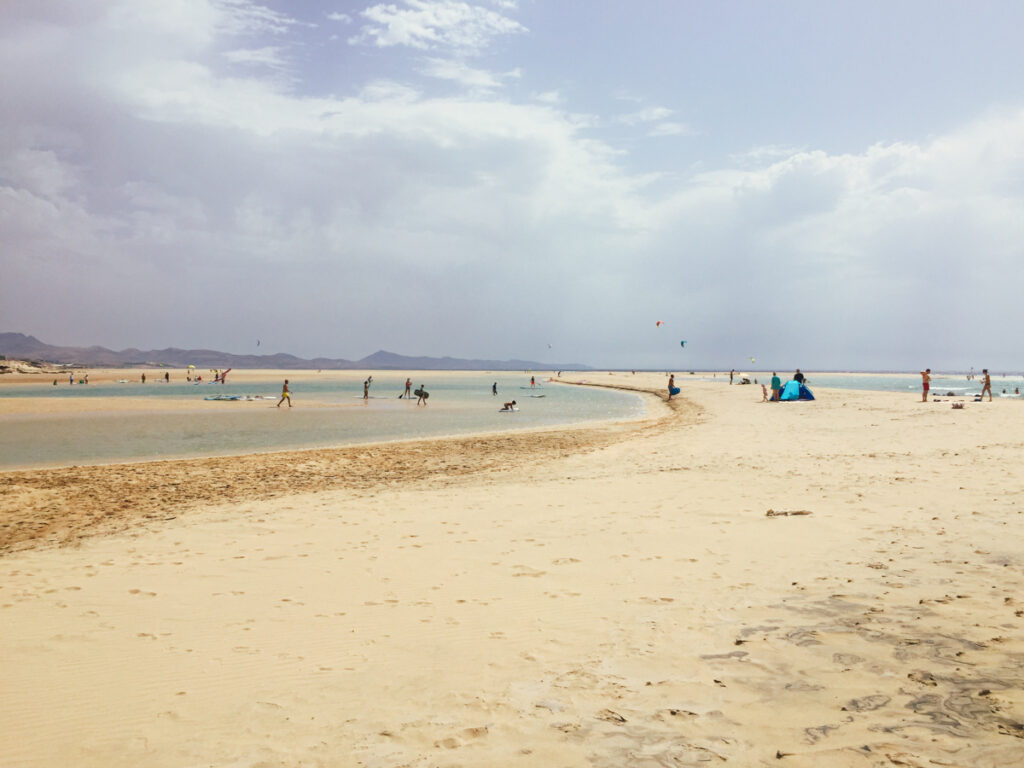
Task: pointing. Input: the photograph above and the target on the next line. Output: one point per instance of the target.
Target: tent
(794, 390)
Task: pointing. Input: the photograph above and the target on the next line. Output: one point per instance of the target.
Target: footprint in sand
(524, 570)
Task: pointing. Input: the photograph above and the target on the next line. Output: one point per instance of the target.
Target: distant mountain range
(18, 346)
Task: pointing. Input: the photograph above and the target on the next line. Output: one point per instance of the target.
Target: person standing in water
(422, 394)
(408, 390)
(366, 389)
(494, 388)
(285, 395)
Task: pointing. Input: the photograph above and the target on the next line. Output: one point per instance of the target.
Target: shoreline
(25, 493)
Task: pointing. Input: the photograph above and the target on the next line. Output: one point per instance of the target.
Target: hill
(20, 346)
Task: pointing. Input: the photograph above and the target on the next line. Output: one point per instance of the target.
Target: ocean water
(339, 416)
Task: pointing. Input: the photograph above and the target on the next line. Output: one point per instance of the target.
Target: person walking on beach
(494, 389)
(987, 384)
(776, 386)
(422, 394)
(731, 374)
(926, 384)
(671, 384)
(285, 395)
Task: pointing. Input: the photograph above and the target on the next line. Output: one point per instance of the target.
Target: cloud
(163, 195)
(458, 71)
(270, 56)
(648, 115)
(342, 17)
(429, 24)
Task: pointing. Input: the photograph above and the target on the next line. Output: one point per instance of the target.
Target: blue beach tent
(794, 390)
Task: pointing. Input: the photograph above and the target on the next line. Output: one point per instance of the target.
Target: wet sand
(833, 583)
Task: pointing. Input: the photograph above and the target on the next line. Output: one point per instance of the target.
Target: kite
(659, 324)
(682, 343)
(753, 360)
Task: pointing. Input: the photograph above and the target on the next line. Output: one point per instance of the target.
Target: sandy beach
(833, 583)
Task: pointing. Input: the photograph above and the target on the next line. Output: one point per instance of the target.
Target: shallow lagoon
(337, 415)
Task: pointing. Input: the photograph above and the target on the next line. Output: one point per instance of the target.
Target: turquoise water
(339, 416)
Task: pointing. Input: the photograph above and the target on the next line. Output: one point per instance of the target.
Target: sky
(833, 186)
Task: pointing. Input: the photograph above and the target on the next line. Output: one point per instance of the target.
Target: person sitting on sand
(509, 406)
(285, 395)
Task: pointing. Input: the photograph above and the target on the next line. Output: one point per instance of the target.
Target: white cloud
(460, 72)
(427, 24)
(342, 17)
(270, 56)
(648, 115)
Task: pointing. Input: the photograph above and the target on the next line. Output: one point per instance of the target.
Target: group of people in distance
(421, 393)
(776, 383)
(986, 384)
